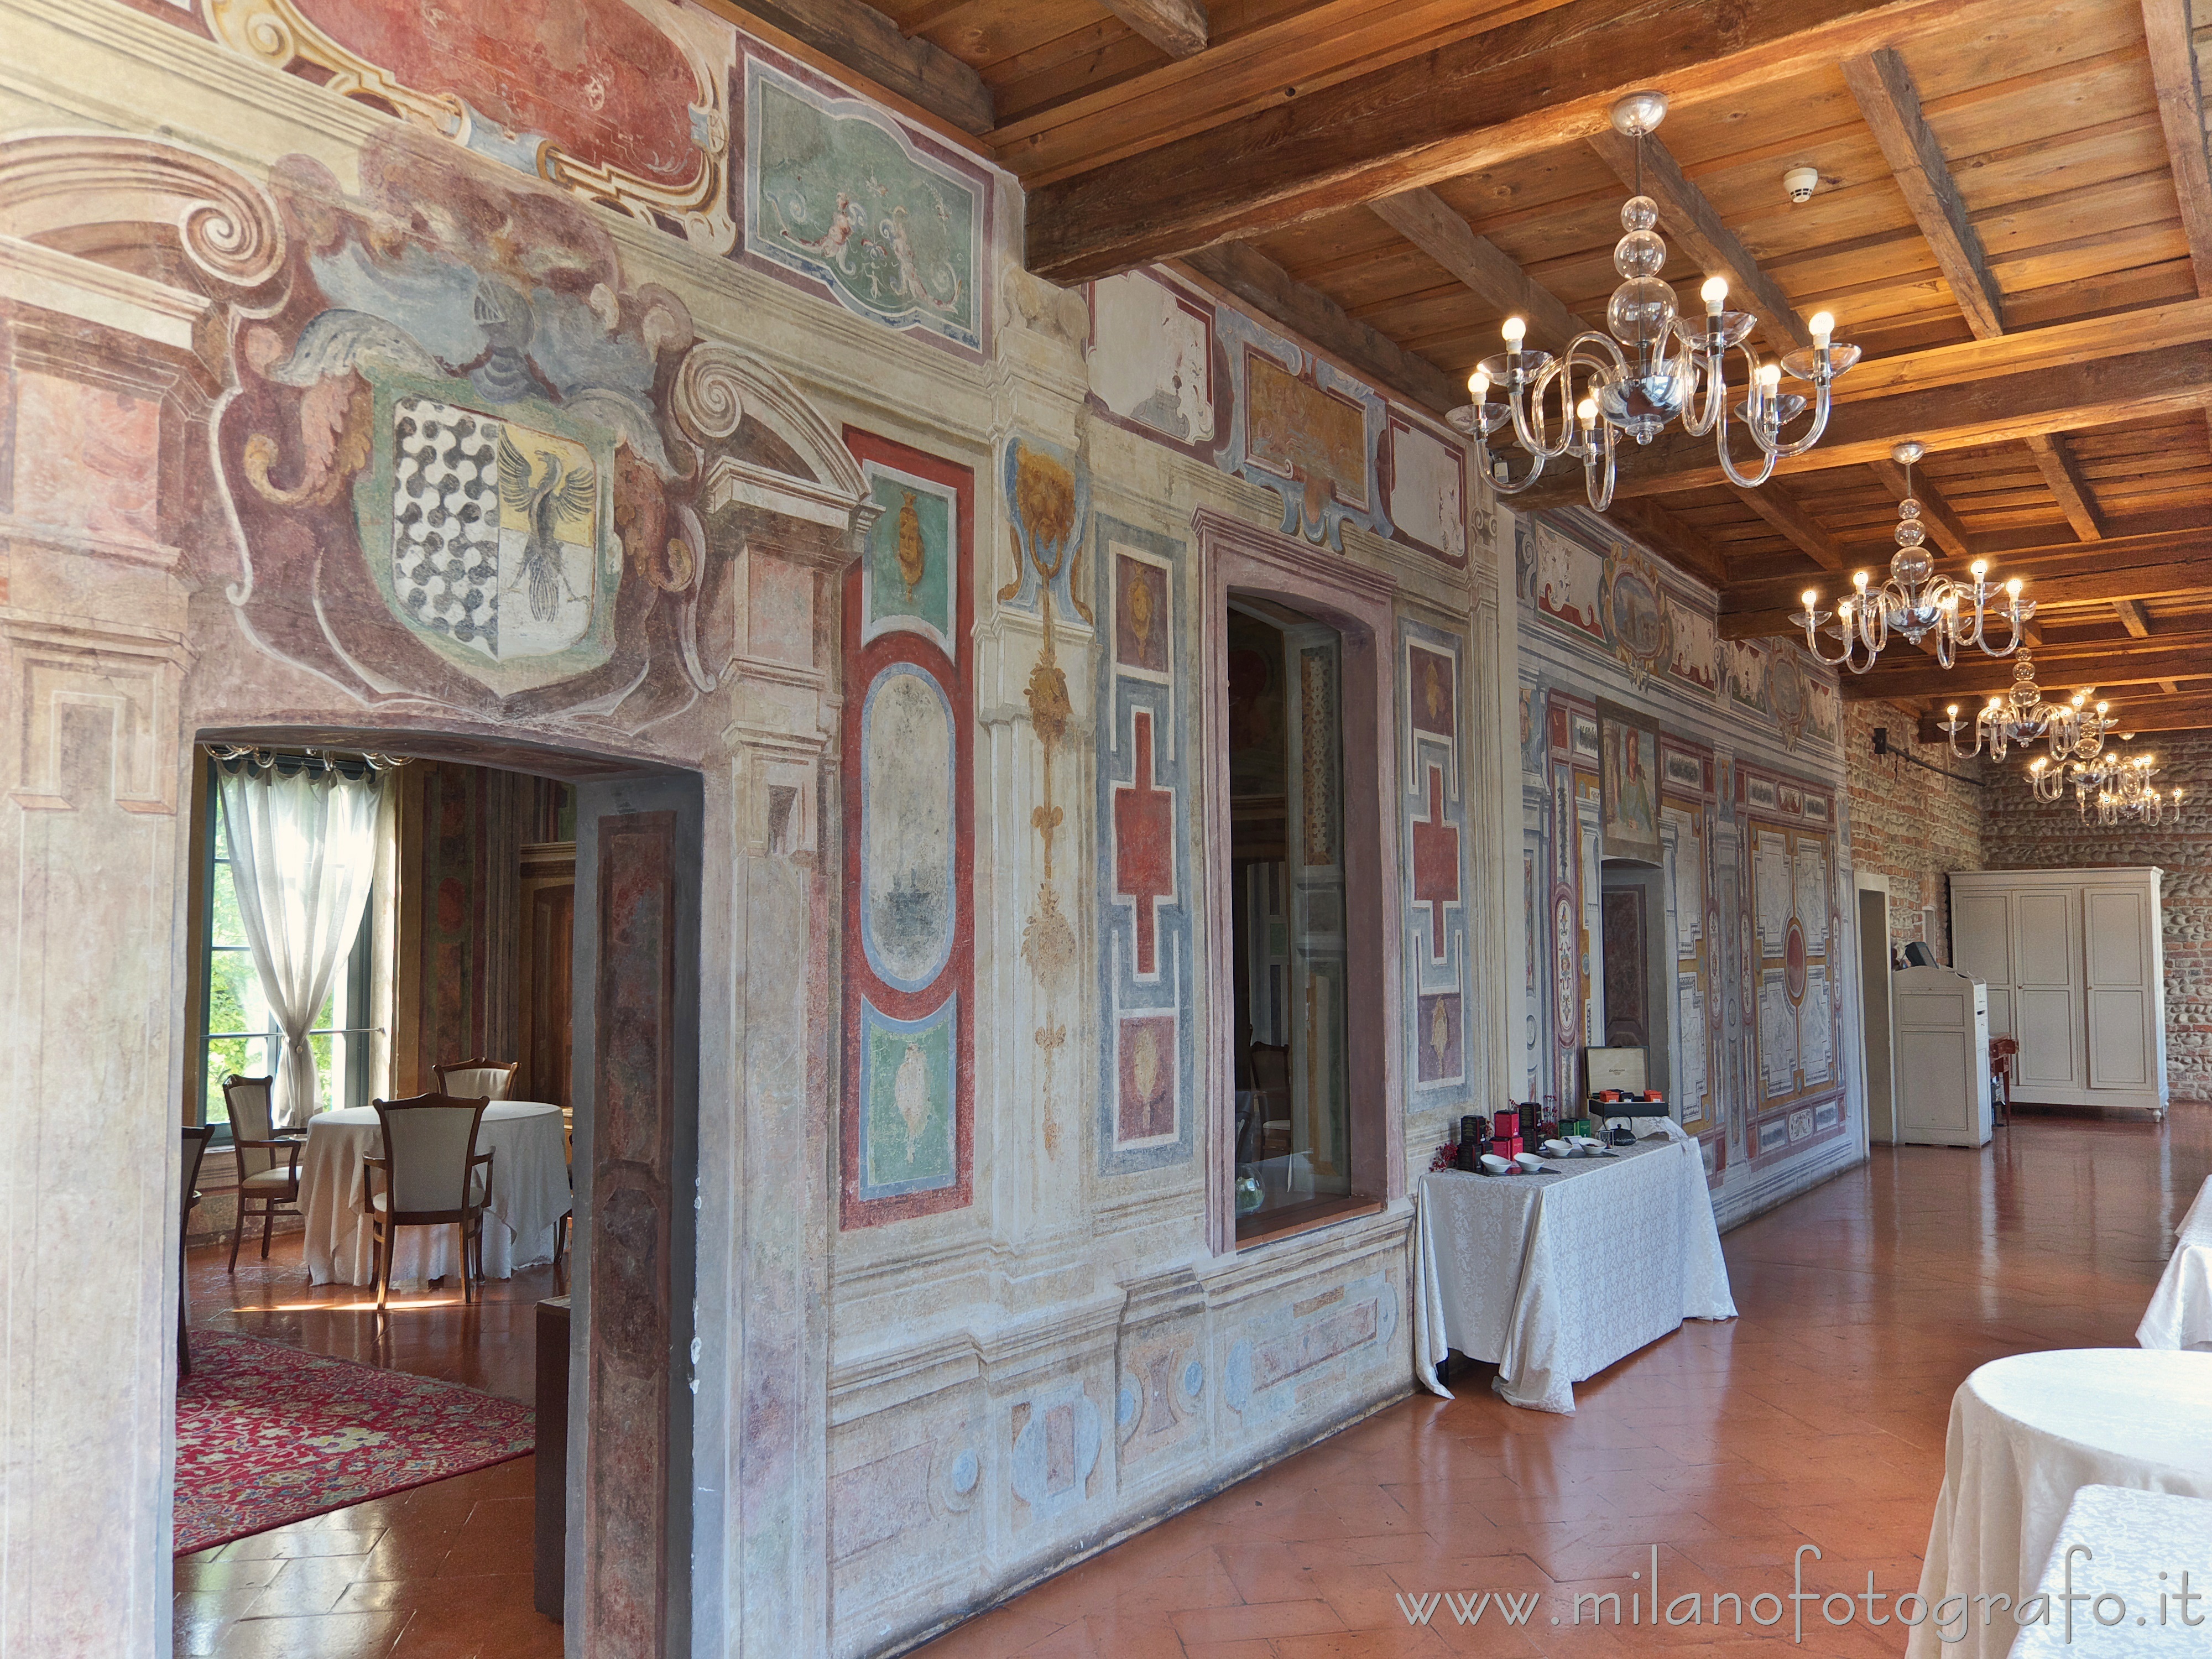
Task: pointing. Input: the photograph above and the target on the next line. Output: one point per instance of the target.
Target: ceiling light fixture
(2120, 785)
(1652, 366)
(1914, 601)
(2075, 729)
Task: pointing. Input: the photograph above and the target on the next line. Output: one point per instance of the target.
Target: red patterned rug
(268, 1435)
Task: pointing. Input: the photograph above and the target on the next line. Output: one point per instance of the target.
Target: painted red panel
(593, 76)
(955, 677)
(1144, 842)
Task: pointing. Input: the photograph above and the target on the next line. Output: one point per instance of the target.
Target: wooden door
(2048, 1014)
(2115, 924)
(547, 979)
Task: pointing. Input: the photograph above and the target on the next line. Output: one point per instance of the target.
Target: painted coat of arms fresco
(463, 436)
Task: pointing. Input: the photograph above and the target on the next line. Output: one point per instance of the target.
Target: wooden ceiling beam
(1548, 76)
(2003, 409)
(2179, 323)
(1180, 29)
(1685, 215)
(861, 40)
(1780, 509)
(2070, 490)
(1426, 219)
(1891, 104)
(2181, 114)
(2133, 617)
(2101, 663)
(1677, 543)
(1246, 274)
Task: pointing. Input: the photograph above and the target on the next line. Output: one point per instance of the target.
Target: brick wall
(2020, 832)
(1907, 822)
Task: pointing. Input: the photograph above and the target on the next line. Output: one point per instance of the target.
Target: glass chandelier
(2119, 785)
(1650, 366)
(1913, 602)
(2075, 729)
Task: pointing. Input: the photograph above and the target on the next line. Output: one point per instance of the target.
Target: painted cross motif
(1435, 863)
(1144, 843)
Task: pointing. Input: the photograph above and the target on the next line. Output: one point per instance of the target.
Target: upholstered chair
(268, 1162)
(430, 1175)
(467, 1079)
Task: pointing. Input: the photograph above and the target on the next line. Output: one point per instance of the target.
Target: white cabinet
(2075, 968)
(1941, 1023)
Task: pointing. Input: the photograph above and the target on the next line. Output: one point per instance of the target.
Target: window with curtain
(298, 870)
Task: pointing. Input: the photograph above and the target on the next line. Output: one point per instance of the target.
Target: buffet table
(2181, 1311)
(2127, 1550)
(529, 1196)
(2026, 1434)
(1556, 1277)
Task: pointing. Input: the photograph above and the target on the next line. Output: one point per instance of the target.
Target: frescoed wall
(1751, 862)
(670, 410)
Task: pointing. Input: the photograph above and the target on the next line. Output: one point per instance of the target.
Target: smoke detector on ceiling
(1800, 183)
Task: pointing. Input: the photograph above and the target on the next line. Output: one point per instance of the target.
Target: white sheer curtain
(303, 859)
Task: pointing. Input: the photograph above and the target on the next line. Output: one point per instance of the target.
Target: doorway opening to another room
(530, 936)
(1635, 967)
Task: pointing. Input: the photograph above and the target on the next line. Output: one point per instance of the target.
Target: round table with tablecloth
(2028, 1432)
(529, 1196)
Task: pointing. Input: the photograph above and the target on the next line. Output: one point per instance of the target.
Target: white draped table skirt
(2181, 1311)
(530, 1195)
(1554, 1277)
(2026, 1434)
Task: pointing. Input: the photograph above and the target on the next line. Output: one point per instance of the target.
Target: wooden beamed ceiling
(2013, 220)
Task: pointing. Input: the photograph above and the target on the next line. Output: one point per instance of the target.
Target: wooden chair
(466, 1079)
(263, 1179)
(434, 1176)
(2002, 1051)
(196, 1136)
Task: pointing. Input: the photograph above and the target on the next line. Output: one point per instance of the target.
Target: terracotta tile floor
(1816, 1417)
(442, 1571)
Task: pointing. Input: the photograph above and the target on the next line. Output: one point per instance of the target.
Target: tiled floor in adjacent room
(442, 1571)
(1817, 1417)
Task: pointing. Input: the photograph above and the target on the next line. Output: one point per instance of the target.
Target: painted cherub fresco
(898, 245)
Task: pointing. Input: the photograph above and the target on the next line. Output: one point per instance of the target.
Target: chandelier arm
(1789, 451)
(1505, 486)
(1728, 462)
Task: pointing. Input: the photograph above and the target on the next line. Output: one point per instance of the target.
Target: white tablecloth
(1554, 1277)
(529, 1194)
(2181, 1311)
(2027, 1433)
(2131, 1538)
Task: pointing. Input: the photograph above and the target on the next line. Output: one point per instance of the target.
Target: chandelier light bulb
(1478, 385)
(1515, 330)
(1981, 569)
(1810, 597)
(1715, 295)
(1823, 326)
(1952, 710)
(2013, 586)
(1586, 411)
(1859, 580)
(1769, 375)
